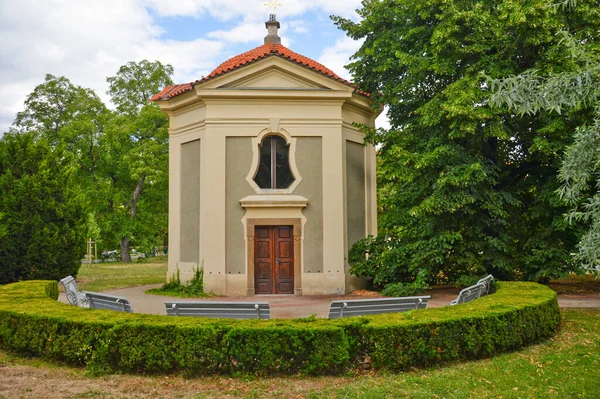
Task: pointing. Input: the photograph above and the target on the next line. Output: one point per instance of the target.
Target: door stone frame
(296, 224)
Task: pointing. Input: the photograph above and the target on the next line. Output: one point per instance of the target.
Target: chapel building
(269, 181)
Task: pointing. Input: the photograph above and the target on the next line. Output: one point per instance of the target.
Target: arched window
(274, 168)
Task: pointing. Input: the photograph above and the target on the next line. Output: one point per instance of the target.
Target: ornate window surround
(256, 141)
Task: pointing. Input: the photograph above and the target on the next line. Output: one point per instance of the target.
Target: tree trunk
(125, 255)
(136, 194)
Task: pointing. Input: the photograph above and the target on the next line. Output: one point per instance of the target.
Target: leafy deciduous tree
(568, 92)
(463, 187)
(136, 162)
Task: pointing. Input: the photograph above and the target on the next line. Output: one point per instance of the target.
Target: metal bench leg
(344, 306)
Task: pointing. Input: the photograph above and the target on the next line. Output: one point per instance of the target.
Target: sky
(88, 40)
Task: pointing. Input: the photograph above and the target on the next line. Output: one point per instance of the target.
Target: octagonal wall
(214, 204)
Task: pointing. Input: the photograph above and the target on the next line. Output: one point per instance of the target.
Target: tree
(120, 157)
(571, 91)
(43, 212)
(136, 162)
(70, 118)
(3, 227)
(57, 104)
(135, 83)
(464, 188)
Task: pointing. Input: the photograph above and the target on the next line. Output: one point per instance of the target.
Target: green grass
(568, 366)
(191, 289)
(178, 293)
(111, 275)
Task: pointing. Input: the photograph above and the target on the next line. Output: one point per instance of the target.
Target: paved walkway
(290, 306)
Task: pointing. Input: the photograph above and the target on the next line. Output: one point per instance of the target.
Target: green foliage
(66, 115)
(52, 290)
(93, 231)
(407, 289)
(120, 158)
(3, 227)
(134, 84)
(194, 288)
(517, 314)
(44, 215)
(469, 280)
(136, 159)
(402, 289)
(569, 92)
(464, 187)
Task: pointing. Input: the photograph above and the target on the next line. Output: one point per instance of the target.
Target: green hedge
(31, 321)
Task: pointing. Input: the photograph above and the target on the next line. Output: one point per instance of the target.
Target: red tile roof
(249, 57)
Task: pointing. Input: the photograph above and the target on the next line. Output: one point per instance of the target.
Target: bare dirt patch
(54, 382)
(577, 285)
(365, 293)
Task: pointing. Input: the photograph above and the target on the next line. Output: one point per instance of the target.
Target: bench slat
(108, 302)
(470, 293)
(379, 307)
(233, 310)
(360, 307)
(204, 311)
(224, 305)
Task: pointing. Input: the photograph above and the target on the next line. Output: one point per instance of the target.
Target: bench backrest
(109, 302)
(487, 281)
(470, 293)
(74, 296)
(226, 310)
(363, 307)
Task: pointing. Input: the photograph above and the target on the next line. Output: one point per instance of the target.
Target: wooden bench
(227, 310)
(74, 296)
(109, 302)
(364, 307)
(473, 292)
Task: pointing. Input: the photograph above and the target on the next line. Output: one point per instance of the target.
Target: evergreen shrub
(31, 322)
(43, 213)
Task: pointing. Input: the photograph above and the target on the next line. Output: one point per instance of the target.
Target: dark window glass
(274, 167)
(263, 176)
(283, 173)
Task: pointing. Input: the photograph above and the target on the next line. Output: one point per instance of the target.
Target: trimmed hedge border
(33, 322)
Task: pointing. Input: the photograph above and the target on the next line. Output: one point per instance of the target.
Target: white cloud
(230, 9)
(88, 40)
(246, 32)
(298, 26)
(338, 56)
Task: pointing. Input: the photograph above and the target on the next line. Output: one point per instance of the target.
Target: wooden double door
(274, 260)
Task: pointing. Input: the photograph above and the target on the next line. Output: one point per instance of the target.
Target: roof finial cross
(272, 5)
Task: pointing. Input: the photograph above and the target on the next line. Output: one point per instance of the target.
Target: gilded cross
(273, 4)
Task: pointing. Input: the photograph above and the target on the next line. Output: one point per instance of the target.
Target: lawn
(112, 275)
(568, 366)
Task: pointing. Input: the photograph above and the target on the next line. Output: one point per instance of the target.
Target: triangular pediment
(274, 78)
(275, 73)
